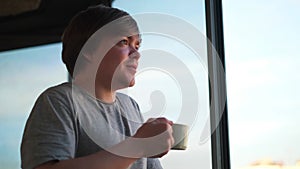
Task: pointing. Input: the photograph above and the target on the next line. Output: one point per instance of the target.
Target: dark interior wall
(43, 25)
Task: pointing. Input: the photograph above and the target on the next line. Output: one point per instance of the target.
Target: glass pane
(262, 42)
(172, 78)
(24, 74)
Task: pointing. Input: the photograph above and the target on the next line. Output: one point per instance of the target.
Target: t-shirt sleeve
(153, 163)
(49, 133)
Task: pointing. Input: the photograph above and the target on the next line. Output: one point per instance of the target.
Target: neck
(96, 88)
(105, 94)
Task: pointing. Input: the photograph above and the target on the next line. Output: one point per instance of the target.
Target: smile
(132, 68)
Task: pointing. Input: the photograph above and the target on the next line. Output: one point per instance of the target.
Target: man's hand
(155, 138)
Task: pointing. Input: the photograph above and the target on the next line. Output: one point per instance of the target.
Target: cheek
(117, 56)
(113, 59)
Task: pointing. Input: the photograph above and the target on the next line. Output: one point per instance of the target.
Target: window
(173, 79)
(262, 61)
(24, 74)
(173, 72)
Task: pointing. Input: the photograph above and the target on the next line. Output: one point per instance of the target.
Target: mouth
(132, 67)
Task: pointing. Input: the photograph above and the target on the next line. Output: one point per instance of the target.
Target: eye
(124, 42)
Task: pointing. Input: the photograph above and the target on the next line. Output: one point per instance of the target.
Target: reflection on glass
(262, 40)
(24, 74)
(172, 78)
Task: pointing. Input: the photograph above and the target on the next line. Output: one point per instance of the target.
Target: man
(87, 124)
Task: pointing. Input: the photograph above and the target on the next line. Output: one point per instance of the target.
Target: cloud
(249, 133)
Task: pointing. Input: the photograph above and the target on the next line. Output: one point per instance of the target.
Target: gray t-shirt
(66, 122)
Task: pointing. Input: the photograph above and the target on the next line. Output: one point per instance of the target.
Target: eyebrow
(139, 38)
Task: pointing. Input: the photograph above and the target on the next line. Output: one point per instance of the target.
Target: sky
(24, 74)
(261, 42)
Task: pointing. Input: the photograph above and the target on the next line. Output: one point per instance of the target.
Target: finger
(172, 141)
(164, 120)
(150, 120)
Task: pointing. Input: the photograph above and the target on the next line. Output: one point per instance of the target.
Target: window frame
(217, 83)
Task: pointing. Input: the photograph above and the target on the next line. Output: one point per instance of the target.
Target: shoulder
(63, 88)
(61, 93)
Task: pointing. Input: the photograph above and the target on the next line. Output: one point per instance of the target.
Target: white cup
(180, 135)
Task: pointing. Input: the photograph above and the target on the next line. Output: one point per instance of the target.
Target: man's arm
(154, 138)
(102, 159)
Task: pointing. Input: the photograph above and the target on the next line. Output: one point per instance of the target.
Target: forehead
(136, 37)
(113, 32)
(117, 33)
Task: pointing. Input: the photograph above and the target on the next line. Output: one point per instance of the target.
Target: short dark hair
(82, 27)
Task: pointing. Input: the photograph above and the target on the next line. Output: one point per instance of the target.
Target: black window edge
(217, 82)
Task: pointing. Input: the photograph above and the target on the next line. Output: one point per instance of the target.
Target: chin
(132, 83)
(123, 85)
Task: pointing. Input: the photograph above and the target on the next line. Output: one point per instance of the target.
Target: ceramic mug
(180, 135)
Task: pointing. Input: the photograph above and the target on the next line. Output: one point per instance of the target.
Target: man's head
(85, 24)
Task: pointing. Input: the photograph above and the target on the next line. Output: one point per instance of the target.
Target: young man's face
(119, 65)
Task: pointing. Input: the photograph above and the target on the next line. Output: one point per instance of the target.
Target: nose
(134, 53)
